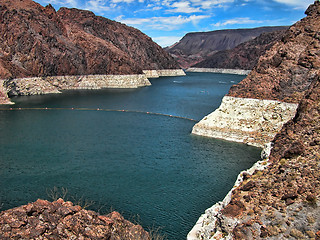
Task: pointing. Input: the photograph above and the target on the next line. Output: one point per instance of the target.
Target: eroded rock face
(38, 41)
(282, 199)
(3, 94)
(63, 220)
(251, 121)
(286, 71)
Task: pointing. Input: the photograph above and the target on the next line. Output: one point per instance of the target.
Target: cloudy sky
(167, 21)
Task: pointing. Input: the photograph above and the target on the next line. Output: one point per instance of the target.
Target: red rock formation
(282, 201)
(63, 220)
(285, 72)
(38, 41)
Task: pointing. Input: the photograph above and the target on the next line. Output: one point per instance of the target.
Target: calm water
(136, 163)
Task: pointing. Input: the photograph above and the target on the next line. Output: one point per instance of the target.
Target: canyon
(276, 107)
(279, 196)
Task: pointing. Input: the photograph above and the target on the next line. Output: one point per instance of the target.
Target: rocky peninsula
(278, 198)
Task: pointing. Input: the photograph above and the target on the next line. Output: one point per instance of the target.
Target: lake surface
(147, 167)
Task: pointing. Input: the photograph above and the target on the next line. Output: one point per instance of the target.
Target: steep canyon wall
(279, 197)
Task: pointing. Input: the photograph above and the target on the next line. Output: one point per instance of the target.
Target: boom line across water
(100, 109)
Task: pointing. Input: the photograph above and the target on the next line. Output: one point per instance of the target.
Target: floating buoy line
(99, 109)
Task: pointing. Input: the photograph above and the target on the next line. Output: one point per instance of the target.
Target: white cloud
(133, 21)
(183, 7)
(236, 21)
(126, 1)
(303, 4)
(166, 41)
(207, 4)
(97, 6)
(162, 23)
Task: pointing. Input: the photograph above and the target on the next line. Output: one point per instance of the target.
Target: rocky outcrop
(279, 197)
(55, 84)
(219, 70)
(4, 99)
(47, 85)
(243, 56)
(164, 73)
(251, 121)
(63, 220)
(196, 47)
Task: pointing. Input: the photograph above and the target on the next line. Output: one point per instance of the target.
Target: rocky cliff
(195, 47)
(245, 55)
(279, 197)
(63, 220)
(40, 42)
(283, 74)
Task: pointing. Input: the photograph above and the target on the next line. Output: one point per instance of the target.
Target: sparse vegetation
(55, 193)
(155, 234)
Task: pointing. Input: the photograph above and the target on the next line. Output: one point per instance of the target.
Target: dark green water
(136, 163)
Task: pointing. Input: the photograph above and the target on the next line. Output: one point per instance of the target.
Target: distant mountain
(243, 56)
(195, 47)
(38, 41)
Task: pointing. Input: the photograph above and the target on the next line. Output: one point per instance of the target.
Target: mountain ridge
(245, 55)
(195, 47)
(39, 41)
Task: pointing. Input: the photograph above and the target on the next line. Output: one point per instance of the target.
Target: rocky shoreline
(219, 70)
(55, 84)
(205, 227)
(279, 197)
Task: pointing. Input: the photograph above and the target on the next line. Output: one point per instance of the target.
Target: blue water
(145, 166)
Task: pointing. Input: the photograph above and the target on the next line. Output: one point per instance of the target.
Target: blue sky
(167, 21)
